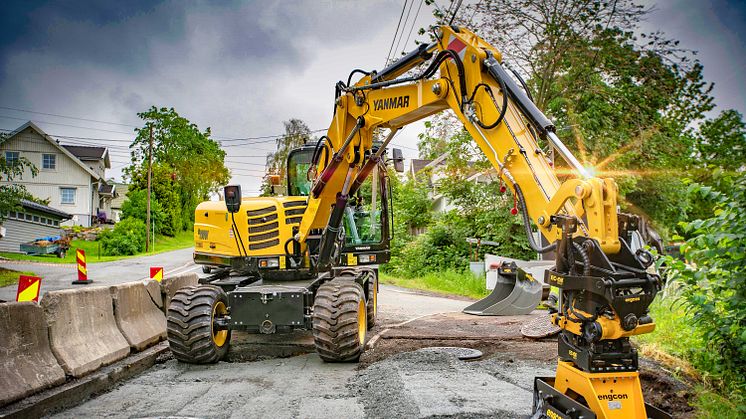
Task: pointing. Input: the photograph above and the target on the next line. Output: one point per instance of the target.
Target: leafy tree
(166, 191)
(296, 134)
(135, 206)
(722, 141)
(625, 102)
(195, 162)
(12, 193)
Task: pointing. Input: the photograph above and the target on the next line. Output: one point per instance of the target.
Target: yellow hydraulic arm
(468, 87)
(605, 290)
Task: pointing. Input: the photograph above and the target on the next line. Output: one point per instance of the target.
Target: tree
(722, 141)
(135, 206)
(296, 134)
(12, 193)
(625, 102)
(195, 162)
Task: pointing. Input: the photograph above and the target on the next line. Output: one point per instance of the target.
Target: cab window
(299, 162)
(362, 219)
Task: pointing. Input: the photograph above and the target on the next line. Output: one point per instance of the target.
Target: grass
(676, 343)
(447, 282)
(10, 277)
(92, 250)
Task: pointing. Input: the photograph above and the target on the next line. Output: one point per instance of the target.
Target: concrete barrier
(27, 364)
(83, 332)
(154, 289)
(138, 317)
(174, 283)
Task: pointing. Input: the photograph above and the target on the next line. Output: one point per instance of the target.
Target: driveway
(56, 276)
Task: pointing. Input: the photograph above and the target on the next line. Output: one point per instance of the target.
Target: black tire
(191, 314)
(339, 321)
(372, 304)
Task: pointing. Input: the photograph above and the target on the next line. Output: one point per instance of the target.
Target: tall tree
(193, 161)
(296, 134)
(624, 101)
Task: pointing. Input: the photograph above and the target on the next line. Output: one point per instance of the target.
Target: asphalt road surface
(57, 276)
(412, 383)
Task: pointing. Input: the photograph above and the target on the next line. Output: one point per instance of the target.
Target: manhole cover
(539, 327)
(460, 353)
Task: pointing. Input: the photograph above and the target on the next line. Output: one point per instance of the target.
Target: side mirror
(398, 158)
(232, 195)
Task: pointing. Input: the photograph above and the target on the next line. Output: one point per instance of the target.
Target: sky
(85, 68)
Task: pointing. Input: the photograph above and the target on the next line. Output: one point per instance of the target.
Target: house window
(36, 218)
(56, 223)
(11, 157)
(49, 161)
(29, 217)
(67, 195)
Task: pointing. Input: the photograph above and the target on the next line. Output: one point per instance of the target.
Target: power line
(68, 117)
(66, 125)
(405, 25)
(414, 20)
(396, 33)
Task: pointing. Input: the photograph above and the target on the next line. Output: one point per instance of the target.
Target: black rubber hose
(523, 84)
(584, 256)
(503, 109)
(527, 224)
(352, 73)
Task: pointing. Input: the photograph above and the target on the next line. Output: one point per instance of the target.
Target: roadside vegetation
(94, 250)
(450, 282)
(10, 276)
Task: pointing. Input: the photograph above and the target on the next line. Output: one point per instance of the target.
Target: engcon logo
(558, 279)
(632, 299)
(552, 415)
(610, 397)
(391, 103)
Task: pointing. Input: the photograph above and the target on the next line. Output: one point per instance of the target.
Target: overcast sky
(242, 68)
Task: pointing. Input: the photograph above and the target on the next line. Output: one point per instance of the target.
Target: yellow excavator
(307, 260)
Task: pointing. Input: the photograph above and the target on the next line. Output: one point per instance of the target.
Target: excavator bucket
(516, 292)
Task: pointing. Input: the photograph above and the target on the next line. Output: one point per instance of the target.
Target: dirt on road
(281, 376)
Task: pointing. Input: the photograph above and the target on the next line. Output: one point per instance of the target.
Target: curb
(77, 391)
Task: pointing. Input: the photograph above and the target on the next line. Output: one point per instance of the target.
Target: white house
(72, 178)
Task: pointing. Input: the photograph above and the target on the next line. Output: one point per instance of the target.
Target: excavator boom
(605, 289)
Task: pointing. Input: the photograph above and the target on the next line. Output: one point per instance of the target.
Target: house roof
(54, 142)
(419, 164)
(106, 189)
(121, 195)
(90, 153)
(45, 209)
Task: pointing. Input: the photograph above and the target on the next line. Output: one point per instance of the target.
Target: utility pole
(147, 217)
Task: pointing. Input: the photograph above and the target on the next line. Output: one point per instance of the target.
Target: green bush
(712, 283)
(136, 207)
(127, 238)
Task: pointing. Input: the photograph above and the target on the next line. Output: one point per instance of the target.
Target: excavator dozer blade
(515, 293)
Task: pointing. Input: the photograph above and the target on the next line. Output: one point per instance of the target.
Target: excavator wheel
(192, 333)
(372, 304)
(340, 321)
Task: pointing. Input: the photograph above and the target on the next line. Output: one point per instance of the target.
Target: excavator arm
(605, 289)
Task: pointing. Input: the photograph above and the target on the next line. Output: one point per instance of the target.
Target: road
(57, 276)
(417, 383)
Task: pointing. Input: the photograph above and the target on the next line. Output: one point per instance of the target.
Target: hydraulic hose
(527, 224)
